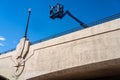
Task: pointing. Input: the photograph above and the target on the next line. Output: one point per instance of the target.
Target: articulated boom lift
(58, 12)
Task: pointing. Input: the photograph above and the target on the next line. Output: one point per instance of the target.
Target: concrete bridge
(89, 54)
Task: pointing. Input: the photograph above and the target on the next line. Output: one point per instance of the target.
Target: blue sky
(13, 17)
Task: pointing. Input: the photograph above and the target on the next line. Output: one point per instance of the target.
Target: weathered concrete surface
(81, 48)
(12, 64)
(6, 64)
(91, 45)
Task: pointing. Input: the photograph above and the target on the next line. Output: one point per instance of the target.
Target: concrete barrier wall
(6, 65)
(90, 45)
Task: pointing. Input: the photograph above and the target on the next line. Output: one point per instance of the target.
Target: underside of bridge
(3, 78)
(106, 70)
